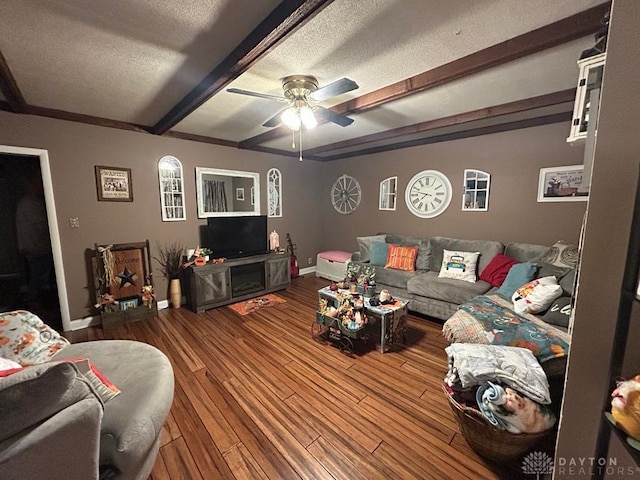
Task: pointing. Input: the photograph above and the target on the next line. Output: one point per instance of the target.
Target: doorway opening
(31, 271)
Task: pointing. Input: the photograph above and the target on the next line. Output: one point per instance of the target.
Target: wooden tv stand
(216, 284)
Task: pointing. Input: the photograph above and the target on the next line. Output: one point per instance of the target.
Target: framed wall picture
(561, 184)
(114, 184)
(240, 194)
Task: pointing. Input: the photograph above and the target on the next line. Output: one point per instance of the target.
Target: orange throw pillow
(402, 257)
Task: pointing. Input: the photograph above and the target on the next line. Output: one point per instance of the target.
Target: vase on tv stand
(175, 292)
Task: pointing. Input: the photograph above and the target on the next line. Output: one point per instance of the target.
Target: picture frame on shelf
(127, 303)
(240, 194)
(561, 184)
(113, 184)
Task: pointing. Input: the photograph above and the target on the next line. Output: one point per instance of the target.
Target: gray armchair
(54, 426)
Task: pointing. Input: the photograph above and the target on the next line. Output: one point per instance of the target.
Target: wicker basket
(487, 440)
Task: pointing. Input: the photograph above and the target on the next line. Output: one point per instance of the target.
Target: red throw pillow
(497, 270)
(402, 257)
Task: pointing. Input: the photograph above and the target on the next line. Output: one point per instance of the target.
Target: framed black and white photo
(240, 194)
(114, 184)
(562, 184)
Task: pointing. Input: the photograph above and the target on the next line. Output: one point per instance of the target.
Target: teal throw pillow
(379, 253)
(518, 275)
(364, 245)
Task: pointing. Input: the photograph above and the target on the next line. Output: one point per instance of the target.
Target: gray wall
(615, 172)
(512, 158)
(75, 148)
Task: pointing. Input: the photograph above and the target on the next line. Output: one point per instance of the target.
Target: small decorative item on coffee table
(391, 314)
(343, 322)
(364, 277)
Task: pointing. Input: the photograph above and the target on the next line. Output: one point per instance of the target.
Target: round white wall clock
(345, 194)
(428, 194)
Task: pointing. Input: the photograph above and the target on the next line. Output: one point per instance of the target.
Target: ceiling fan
(302, 94)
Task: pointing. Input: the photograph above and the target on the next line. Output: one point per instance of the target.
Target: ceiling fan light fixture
(308, 118)
(291, 118)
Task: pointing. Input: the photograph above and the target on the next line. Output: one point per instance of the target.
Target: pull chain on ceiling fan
(302, 94)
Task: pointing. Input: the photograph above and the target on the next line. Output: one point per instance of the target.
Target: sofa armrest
(37, 393)
(66, 445)
(46, 412)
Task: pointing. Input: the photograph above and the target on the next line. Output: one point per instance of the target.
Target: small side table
(393, 322)
(392, 317)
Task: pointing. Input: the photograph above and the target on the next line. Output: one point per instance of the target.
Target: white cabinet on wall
(590, 78)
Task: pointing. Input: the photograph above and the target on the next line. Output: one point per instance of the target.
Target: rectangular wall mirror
(216, 192)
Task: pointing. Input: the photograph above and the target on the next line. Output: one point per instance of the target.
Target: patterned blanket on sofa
(490, 319)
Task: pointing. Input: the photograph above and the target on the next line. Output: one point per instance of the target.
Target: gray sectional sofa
(440, 297)
(53, 424)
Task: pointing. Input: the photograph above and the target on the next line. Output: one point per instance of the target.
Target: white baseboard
(85, 322)
(304, 271)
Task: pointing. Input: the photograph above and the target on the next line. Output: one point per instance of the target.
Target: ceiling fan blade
(322, 113)
(338, 87)
(275, 120)
(257, 94)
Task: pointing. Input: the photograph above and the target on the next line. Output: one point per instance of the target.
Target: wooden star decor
(126, 277)
(129, 262)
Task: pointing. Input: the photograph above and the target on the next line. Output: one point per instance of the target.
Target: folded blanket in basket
(508, 410)
(472, 364)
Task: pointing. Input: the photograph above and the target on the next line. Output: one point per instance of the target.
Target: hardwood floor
(257, 398)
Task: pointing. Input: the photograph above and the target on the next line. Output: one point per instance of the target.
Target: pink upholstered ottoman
(332, 264)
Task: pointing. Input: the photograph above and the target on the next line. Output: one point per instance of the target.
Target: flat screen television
(234, 237)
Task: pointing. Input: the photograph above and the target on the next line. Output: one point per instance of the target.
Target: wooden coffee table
(392, 317)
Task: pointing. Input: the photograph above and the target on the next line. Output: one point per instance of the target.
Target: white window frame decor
(471, 190)
(274, 193)
(171, 179)
(388, 193)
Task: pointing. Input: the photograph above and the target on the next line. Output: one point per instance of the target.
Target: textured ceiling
(133, 62)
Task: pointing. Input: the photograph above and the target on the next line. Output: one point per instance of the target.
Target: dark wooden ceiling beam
(446, 137)
(82, 118)
(281, 22)
(201, 138)
(571, 28)
(518, 106)
(285, 153)
(9, 88)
